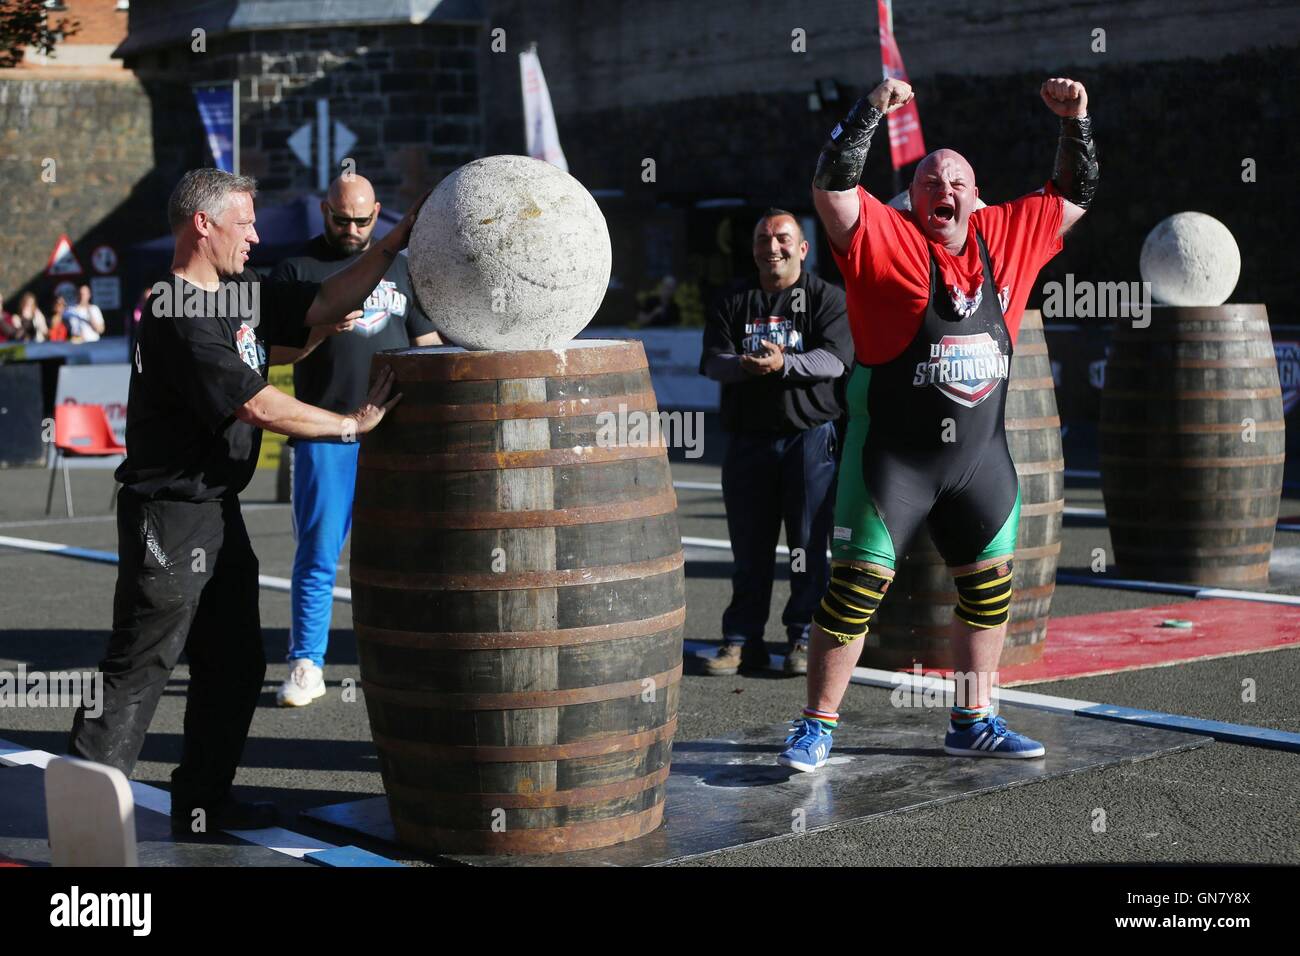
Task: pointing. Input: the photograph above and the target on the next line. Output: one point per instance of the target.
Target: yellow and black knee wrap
(984, 597)
(850, 601)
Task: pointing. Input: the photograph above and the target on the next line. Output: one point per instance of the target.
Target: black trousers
(186, 581)
(767, 479)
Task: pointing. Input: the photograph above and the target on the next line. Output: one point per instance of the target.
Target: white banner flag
(539, 119)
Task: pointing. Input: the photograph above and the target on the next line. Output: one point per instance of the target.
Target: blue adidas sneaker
(990, 738)
(810, 745)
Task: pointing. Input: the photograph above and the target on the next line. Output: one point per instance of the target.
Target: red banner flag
(905, 142)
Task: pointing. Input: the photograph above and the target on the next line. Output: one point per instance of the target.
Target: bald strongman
(333, 375)
(935, 295)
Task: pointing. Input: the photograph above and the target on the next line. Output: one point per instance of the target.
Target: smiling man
(935, 296)
(778, 349)
(334, 376)
(187, 577)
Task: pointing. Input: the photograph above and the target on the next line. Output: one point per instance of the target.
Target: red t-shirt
(887, 268)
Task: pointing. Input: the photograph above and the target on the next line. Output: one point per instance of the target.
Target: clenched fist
(1064, 97)
(891, 95)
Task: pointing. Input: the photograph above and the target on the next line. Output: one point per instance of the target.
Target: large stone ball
(1190, 259)
(510, 253)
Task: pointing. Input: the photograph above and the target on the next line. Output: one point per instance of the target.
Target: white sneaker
(305, 683)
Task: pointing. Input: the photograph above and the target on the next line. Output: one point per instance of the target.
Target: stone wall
(408, 93)
(602, 54)
(98, 135)
(723, 109)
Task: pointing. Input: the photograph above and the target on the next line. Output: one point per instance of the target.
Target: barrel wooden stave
(1193, 446)
(912, 625)
(526, 706)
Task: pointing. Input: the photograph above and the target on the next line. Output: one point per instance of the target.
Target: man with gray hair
(187, 576)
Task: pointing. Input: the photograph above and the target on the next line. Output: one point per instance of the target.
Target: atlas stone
(510, 253)
(1190, 259)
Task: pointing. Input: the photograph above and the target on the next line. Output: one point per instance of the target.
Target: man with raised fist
(935, 295)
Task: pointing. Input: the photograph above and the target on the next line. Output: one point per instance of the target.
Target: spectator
(85, 321)
(336, 377)
(777, 345)
(28, 323)
(58, 328)
(659, 307)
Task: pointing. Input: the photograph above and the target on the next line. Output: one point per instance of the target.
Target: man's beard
(350, 247)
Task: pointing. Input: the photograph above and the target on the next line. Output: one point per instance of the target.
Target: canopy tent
(282, 230)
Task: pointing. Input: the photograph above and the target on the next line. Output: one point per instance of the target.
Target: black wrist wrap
(1076, 172)
(840, 165)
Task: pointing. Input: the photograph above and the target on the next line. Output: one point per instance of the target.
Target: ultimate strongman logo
(966, 368)
(384, 303)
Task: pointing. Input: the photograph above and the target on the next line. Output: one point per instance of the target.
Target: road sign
(300, 143)
(106, 291)
(104, 260)
(63, 261)
(67, 291)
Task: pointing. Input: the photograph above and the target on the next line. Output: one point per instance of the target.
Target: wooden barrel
(912, 625)
(1193, 444)
(518, 597)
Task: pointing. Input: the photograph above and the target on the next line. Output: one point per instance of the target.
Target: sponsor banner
(1288, 371)
(905, 142)
(539, 118)
(105, 385)
(674, 359)
(216, 106)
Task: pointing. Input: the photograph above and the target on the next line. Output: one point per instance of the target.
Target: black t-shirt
(198, 357)
(742, 318)
(336, 375)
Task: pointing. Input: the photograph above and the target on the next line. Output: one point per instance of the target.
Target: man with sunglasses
(334, 376)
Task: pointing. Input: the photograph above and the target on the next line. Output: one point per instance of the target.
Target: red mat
(1114, 641)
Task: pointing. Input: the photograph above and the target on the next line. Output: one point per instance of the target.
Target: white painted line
(160, 801)
(1165, 587)
(112, 516)
(267, 581)
(1073, 512)
(344, 595)
(873, 677)
(1249, 596)
(12, 755)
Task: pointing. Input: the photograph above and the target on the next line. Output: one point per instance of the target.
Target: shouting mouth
(944, 213)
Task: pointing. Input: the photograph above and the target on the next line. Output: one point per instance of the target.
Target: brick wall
(101, 21)
(100, 28)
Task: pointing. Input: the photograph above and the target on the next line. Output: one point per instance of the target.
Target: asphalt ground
(1222, 803)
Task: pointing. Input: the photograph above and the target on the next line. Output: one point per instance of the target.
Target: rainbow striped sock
(827, 719)
(964, 717)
